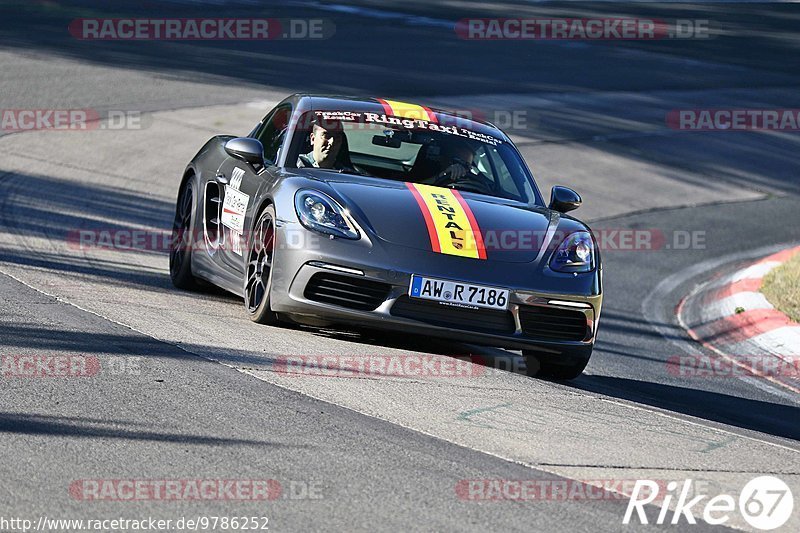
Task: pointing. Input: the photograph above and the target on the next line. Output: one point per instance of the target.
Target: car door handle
(221, 178)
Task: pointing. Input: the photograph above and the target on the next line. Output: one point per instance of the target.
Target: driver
(328, 147)
(460, 171)
(460, 158)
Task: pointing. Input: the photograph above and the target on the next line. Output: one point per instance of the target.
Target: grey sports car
(395, 216)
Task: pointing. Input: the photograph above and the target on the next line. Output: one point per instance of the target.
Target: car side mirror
(564, 199)
(247, 149)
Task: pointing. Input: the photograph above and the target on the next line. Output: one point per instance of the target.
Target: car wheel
(180, 253)
(566, 366)
(258, 276)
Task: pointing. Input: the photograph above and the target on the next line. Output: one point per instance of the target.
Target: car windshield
(413, 151)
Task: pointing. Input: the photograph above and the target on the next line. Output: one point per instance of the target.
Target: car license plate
(458, 294)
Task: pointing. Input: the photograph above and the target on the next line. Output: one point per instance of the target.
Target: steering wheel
(473, 180)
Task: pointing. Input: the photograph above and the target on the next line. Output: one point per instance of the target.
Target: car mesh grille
(552, 324)
(347, 291)
(483, 320)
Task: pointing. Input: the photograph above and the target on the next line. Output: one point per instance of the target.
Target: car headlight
(319, 212)
(575, 254)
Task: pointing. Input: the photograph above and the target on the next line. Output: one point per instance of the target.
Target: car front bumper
(531, 321)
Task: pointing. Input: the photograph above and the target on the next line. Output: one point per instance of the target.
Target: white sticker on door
(234, 208)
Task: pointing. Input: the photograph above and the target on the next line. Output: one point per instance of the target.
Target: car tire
(566, 366)
(180, 254)
(260, 256)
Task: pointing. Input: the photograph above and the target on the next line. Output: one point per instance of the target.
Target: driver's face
(468, 157)
(326, 145)
(465, 154)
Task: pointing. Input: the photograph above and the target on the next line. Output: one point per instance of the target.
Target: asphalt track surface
(188, 389)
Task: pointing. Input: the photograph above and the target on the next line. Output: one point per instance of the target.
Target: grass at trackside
(782, 288)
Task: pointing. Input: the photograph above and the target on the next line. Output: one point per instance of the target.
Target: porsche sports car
(389, 215)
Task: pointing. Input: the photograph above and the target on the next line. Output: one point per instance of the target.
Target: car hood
(511, 232)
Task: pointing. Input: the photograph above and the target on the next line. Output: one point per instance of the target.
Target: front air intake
(548, 323)
(347, 291)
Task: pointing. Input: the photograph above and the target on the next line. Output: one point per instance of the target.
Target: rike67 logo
(766, 503)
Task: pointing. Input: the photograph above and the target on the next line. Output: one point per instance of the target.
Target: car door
(243, 185)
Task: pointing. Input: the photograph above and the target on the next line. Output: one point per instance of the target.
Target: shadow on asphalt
(770, 418)
(78, 427)
(73, 207)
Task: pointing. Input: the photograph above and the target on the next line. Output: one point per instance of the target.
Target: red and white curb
(729, 316)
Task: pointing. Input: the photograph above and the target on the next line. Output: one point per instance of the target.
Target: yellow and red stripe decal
(393, 108)
(451, 224)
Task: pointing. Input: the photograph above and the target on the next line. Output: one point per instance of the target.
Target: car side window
(502, 174)
(273, 131)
